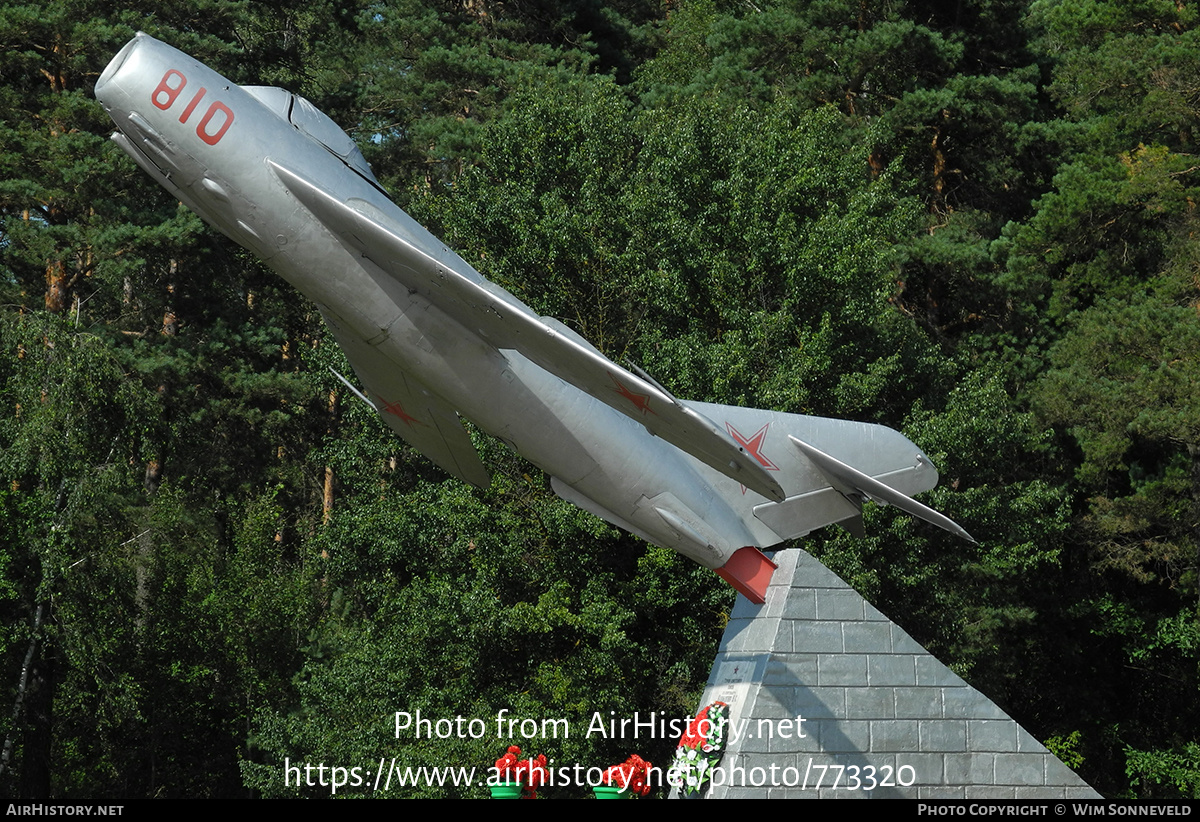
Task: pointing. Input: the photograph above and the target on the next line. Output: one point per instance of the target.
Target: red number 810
(168, 90)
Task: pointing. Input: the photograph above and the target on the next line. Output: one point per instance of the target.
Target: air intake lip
(114, 65)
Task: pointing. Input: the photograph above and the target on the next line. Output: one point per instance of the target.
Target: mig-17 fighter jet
(431, 339)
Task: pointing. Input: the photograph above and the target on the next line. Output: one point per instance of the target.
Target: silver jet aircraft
(430, 339)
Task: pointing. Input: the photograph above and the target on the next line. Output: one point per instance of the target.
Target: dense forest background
(974, 221)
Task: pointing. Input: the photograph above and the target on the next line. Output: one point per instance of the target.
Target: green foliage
(1178, 771)
(973, 220)
(1109, 222)
(1066, 748)
(431, 75)
(1123, 69)
(734, 288)
(546, 616)
(1123, 386)
(982, 447)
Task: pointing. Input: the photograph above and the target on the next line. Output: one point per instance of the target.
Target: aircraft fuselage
(430, 338)
(213, 144)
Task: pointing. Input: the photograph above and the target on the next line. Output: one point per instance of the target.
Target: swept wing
(506, 323)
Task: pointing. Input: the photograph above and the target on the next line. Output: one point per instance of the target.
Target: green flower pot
(507, 790)
(610, 792)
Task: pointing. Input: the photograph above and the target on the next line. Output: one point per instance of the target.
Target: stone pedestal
(881, 715)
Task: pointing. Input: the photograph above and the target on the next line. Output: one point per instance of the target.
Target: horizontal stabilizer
(850, 483)
(503, 321)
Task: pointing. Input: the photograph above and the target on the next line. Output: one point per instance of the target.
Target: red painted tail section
(749, 572)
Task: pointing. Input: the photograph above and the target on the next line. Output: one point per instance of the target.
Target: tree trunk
(57, 288)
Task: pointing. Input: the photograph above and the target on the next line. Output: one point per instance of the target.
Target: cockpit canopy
(313, 122)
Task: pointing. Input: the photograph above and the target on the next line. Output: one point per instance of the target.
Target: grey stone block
(943, 735)
(941, 792)
(758, 769)
(990, 792)
(814, 636)
(801, 604)
(998, 735)
(878, 760)
(776, 598)
(1047, 792)
(932, 673)
(1020, 769)
(770, 703)
(850, 736)
(918, 703)
(752, 744)
(846, 670)
(970, 769)
(791, 670)
(1027, 744)
(871, 703)
(867, 637)
(742, 635)
(909, 768)
(892, 669)
(871, 697)
(968, 703)
(895, 735)
(841, 604)
(807, 744)
(817, 703)
(810, 573)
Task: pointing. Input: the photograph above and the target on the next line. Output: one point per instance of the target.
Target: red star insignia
(640, 401)
(754, 445)
(397, 410)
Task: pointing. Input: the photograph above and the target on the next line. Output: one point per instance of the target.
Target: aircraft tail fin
(828, 468)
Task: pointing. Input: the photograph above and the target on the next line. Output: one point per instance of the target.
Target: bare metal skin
(429, 338)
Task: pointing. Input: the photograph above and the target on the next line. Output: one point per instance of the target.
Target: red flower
(530, 773)
(704, 727)
(694, 735)
(630, 775)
